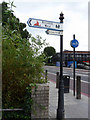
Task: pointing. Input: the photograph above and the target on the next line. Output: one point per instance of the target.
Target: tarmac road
(85, 77)
(85, 74)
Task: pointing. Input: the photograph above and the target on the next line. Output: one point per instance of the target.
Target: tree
(49, 51)
(14, 23)
(21, 64)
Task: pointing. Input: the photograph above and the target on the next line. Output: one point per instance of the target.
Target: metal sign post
(55, 28)
(74, 68)
(60, 110)
(74, 44)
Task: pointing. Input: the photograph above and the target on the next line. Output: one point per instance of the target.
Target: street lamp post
(60, 110)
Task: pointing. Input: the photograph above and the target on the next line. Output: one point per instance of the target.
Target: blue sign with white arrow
(74, 43)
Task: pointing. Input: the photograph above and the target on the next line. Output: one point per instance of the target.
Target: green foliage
(25, 113)
(8, 18)
(49, 51)
(14, 115)
(0, 60)
(27, 106)
(0, 13)
(21, 60)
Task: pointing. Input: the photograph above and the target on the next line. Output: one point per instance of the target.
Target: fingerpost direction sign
(53, 32)
(44, 24)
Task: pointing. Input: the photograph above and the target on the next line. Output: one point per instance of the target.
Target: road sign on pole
(74, 43)
(44, 24)
(53, 32)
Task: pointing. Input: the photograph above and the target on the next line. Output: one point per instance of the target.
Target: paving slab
(74, 108)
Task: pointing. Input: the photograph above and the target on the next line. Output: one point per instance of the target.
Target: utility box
(66, 79)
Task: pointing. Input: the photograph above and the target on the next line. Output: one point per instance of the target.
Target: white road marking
(70, 78)
(82, 81)
(81, 74)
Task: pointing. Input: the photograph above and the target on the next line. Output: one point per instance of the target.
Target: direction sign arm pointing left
(30, 21)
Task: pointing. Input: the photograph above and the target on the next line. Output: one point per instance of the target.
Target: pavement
(74, 108)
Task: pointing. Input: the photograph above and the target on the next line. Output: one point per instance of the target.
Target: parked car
(83, 66)
(80, 65)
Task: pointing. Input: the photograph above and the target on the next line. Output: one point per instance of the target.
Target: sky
(75, 20)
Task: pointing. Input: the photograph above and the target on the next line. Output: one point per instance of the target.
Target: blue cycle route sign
(74, 43)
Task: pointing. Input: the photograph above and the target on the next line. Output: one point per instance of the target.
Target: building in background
(82, 59)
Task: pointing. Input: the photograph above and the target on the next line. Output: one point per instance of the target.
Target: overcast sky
(75, 22)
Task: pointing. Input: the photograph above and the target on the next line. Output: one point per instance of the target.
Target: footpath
(74, 108)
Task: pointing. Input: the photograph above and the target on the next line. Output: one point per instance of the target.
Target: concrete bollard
(78, 87)
(57, 79)
(46, 75)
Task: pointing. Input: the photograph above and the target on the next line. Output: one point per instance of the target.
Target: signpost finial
(61, 17)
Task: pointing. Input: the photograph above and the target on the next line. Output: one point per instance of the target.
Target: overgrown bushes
(21, 60)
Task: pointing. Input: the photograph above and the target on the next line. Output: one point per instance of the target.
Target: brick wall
(40, 107)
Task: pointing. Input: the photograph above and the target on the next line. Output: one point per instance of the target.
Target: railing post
(78, 87)
(57, 79)
(45, 75)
